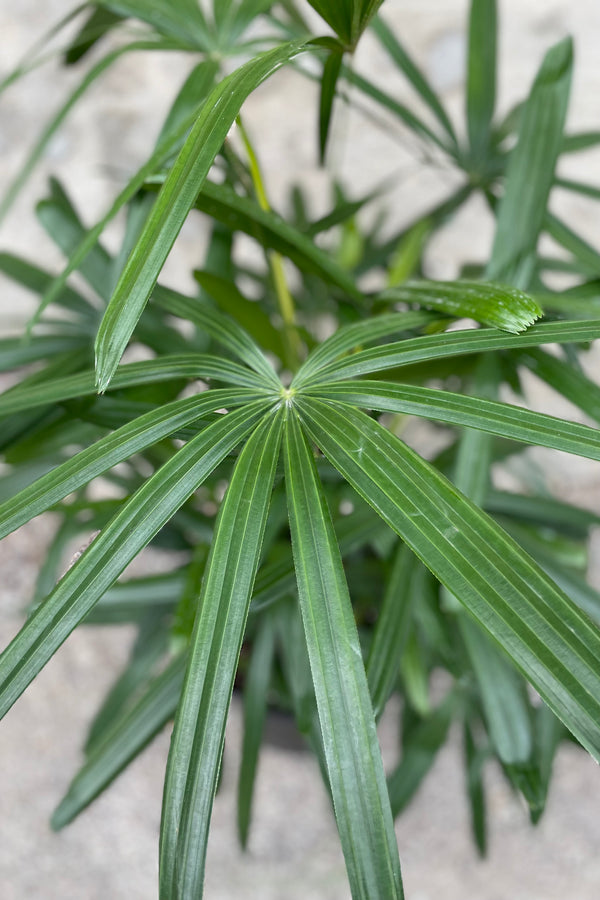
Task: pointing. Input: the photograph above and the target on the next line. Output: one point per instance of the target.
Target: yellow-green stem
(284, 298)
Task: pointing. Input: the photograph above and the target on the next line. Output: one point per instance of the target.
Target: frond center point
(287, 395)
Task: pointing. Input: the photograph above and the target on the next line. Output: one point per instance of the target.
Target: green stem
(285, 300)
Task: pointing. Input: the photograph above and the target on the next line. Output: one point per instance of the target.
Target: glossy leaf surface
(199, 732)
(491, 304)
(174, 203)
(354, 765)
(108, 555)
(555, 646)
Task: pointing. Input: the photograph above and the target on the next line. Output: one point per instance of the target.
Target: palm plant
(346, 565)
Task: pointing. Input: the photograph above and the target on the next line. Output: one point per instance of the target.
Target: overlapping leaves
(555, 646)
(510, 606)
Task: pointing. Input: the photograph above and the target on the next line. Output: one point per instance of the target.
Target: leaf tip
(102, 382)
(60, 817)
(521, 311)
(103, 364)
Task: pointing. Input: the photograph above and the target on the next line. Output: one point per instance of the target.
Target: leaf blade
(108, 452)
(199, 731)
(491, 304)
(222, 203)
(455, 343)
(255, 710)
(331, 71)
(108, 555)
(352, 752)
(490, 416)
(222, 328)
(549, 640)
(174, 203)
(402, 59)
(481, 74)
(530, 171)
(391, 630)
(56, 121)
(126, 737)
(167, 368)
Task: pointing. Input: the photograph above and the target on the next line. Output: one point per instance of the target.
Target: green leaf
(53, 564)
(580, 592)
(296, 666)
(222, 13)
(546, 543)
(354, 766)
(555, 646)
(475, 758)
(182, 20)
(567, 238)
(412, 72)
(408, 254)
(435, 217)
(199, 732)
(223, 329)
(526, 779)
(501, 689)
(132, 438)
(565, 379)
(150, 644)
(406, 115)
(174, 202)
(337, 15)
(222, 203)
(241, 15)
(491, 304)
(187, 602)
(471, 412)
(53, 125)
(168, 142)
(331, 72)
(167, 368)
(122, 741)
(35, 279)
(584, 140)
(474, 453)
(578, 187)
(541, 510)
(194, 89)
(481, 75)
(391, 629)
(247, 313)
(14, 352)
(256, 689)
(131, 600)
(530, 170)
(414, 672)
(96, 26)
(15, 427)
(342, 212)
(276, 579)
(134, 526)
(549, 732)
(418, 755)
(348, 18)
(503, 696)
(61, 223)
(583, 300)
(449, 344)
(356, 334)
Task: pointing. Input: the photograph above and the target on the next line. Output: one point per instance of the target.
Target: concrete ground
(110, 852)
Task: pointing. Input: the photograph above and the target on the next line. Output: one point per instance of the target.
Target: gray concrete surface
(110, 852)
